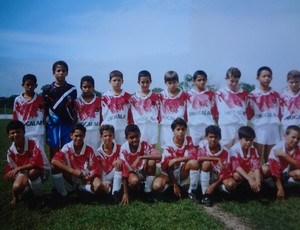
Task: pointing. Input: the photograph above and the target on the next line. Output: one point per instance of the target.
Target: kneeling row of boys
(77, 166)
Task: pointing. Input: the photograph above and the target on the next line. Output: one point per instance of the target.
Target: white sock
(87, 188)
(224, 188)
(291, 180)
(36, 186)
(148, 183)
(117, 182)
(194, 178)
(205, 176)
(58, 181)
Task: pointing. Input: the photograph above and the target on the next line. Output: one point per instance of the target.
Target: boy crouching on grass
(215, 167)
(108, 156)
(138, 163)
(284, 161)
(72, 166)
(245, 160)
(178, 162)
(25, 165)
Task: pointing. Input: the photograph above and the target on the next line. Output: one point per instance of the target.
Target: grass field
(86, 213)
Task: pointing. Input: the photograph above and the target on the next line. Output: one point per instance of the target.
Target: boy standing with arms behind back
(59, 101)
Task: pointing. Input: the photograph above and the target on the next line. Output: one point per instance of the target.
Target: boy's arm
(63, 167)
(288, 158)
(12, 173)
(125, 198)
(206, 158)
(280, 191)
(212, 186)
(176, 187)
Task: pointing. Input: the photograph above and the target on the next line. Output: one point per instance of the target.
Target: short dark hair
(27, 77)
(15, 124)
(178, 121)
(293, 74)
(246, 132)
(292, 127)
(213, 129)
(89, 79)
(62, 63)
(171, 76)
(115, 73)
(144, 73)
(131, 128)
(262, 69)
(233, 72)
(78, 127)
(199, 73)
(106, 127)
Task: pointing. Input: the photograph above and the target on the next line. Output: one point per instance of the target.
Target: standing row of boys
(129, 134)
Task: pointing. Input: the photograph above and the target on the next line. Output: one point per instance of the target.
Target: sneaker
(206, 200)
(193, 196)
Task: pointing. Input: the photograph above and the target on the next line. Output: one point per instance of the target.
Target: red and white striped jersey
(172, 107)
(144, 108)
(279, 165)
(250, 162)
(264, 107)
(116, 109)
(231, 106)
(31, 113)
(128, 157)
(201, 107)
(290, 108)
(106, 160)
(88, 113)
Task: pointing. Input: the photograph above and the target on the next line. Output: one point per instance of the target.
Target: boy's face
(292, 139)
(133, 139)
(60, 74)
(29, 86)
(233, 83)
(213, 140)
(116, 82)
(179, 132)
(77, 138)
(246, 143)
(200, 82)
(172, 85)
(264, 78)
(145, 83)
(87, 88)
(16, 135)
(107, 137)
(294, 84)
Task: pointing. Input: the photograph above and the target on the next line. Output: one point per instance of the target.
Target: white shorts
(149, 133)
(176, 173)
(267, 134)
(92, 138)
(229, 133)
(108, 178)
(166, 134)
(197, 132)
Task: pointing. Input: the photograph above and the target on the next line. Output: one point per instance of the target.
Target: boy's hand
(125, 199)
(177, 190)
(210, 189)
(135, 163)
(220, 164)
(10, 176)
(280, 194)
(279, 152)
(172, 162)
(118, 164)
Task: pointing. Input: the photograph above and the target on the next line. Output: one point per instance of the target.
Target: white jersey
(231, 106)
(88, 113)
(290, 108)
(144, 108)
(31, 113)
(115, 109)
(172, 107)
(201, 107)
(264, 106)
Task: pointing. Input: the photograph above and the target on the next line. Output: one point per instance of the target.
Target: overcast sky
(96, 37)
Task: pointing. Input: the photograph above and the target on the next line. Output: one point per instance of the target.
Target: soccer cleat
(193, 196)
(206, 200)
(116, 197)
(149, 198)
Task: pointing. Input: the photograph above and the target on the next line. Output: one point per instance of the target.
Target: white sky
(96, 37)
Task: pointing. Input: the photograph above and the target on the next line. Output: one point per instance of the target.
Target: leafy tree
(157, 90)
(187, 83)
(246, 86)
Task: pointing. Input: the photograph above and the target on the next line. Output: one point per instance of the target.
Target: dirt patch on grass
(230, 221)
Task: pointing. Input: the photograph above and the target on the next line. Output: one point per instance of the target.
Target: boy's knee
(193, 164)
(206, 166)
(157, 185)
(133, 181)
